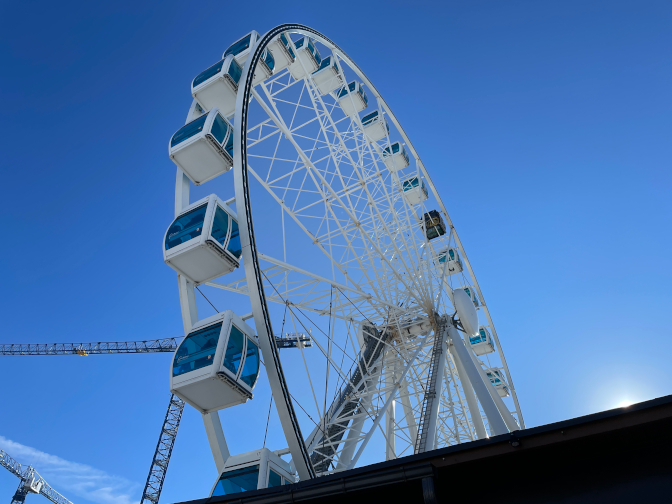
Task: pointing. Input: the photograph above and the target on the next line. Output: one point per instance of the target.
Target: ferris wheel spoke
(358, 176)
(319, 180)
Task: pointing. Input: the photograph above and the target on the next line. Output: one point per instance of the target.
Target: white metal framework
(344, 236)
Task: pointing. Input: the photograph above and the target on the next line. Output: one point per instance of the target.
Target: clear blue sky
(545, 125)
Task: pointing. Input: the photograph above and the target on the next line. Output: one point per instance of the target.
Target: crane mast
(157, 471)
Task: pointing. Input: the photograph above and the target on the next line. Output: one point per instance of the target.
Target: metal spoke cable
(206, 298)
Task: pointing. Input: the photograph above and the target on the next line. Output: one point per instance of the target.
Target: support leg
(472, 404)
(218, 446)
(497, 425)
(405, 400)
(390, 424)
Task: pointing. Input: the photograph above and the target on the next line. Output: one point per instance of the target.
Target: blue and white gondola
(217, 364)
(308, 58)
(252, 471)
(240, 50)
(203, 242)
(497, 378)
(327, 78)
(454, 262)
(282, 49)
(395, 157)
(217, 86)
(482, 343)
(352, 98)
(203, 148)
(414, 190)
(375, 126)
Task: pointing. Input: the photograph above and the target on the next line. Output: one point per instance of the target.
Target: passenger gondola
(217, 86)
(375, 126)
(482, 343)
(217, 364)
(327, 78)
(434, 225)
(497, 378)
(306, 53)
(395, 157)
(240, 49)
(282, 49)
(264, 68)
(454, 262)
(203, 148)
(252, 471)
(352, 98)
(414, 189)
(203, 242)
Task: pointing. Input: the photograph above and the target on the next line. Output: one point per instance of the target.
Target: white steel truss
(358, 272)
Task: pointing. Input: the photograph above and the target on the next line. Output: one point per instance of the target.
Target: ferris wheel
(298, 188)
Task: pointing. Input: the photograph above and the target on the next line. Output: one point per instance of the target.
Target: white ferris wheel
(298, 188)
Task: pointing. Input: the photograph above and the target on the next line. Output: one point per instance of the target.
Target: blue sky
(546, 128)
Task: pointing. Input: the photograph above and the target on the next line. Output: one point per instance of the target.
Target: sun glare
(624, 404)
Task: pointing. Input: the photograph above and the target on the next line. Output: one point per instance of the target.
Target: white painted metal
(328, 78)
(216, 439)
(482, 343)
(276, 378)
(203, 256)
(352, 98)
(470, 397)
(390, 418)
(307, 58)
(466, 311)
(353, 251)
(241, 48)
(264, 459)
(496, 394)
(200, 154)
(215, 385)
(453, 264)
(375, 126)
(219, 90)
(414, 190)
(495, 421)
(282, 49)
(395, 157)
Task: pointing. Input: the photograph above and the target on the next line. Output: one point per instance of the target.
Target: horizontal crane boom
(114, 347)
(123, 347)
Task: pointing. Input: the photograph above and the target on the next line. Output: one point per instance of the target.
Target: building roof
(613, 456)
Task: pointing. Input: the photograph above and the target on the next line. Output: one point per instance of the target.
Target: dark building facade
(617, 456)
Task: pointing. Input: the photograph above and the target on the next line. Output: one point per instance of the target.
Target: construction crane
(84, 349)
(164, 448)
(293, 340)
(171, 423)
(157, 471)
(31, 482)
